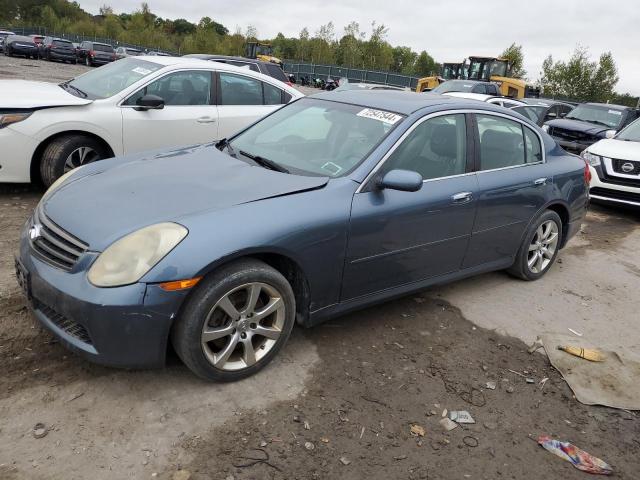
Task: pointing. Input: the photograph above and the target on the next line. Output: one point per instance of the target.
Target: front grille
(53, 244)
(571, 135)
(615, 194)
(617, 164)
(63, 323)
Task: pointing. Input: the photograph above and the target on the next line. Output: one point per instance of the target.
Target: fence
(353, 74)
(79, 38)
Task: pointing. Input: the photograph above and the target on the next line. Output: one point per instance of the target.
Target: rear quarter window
(102, 48)
(276, 72)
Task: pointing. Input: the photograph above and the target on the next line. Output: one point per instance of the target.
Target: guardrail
(353, 74)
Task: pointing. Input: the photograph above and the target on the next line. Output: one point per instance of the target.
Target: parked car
(137, 103)
(37, 39)
(267, 68)
(588, 123)
(124, 52)
(345, 84)
(158, 54)
(95, 53)
(541, 110)
(469, 86)
(53, 48)
(20, 45)
(332, 203)
(615, 167)
(492, 99)
(3, 36)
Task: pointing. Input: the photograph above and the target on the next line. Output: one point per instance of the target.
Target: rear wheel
(87, 61)
(68, 152)
(539, 248)
(235, 322)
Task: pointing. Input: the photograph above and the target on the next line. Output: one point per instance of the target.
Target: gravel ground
(341, 399)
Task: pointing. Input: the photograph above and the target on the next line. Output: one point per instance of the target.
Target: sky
(449, 30)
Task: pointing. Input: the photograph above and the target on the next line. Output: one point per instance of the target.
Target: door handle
(462, 197)
(206, 120)
(541, 181)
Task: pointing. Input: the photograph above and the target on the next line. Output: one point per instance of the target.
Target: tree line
(579, 78)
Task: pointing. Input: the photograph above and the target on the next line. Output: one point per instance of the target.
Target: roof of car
(206, 56)
(542, 102)
(389, 100)
(482, 97)
(612, 106)
(462, 80)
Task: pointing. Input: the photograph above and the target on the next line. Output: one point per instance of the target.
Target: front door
(397, 238)
(189, 116)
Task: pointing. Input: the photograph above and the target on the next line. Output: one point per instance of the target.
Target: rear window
(276, 72)
(61, 43)
(19, 38)
(102, 48)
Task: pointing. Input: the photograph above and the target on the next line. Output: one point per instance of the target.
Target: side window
(239, 90)
(564, 110)
(552, 113)
(501, 142)
(533, 149)
(436, 148)
(480, 88)
(272, 95)
(492, 90)
(179, 89)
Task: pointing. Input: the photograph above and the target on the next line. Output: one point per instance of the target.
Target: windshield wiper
(67, 85)
(598, 122)
(225, 143)
(265, 162)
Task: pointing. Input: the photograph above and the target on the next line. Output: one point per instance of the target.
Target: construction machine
(261, 51)
(448, 71)
(499, 71)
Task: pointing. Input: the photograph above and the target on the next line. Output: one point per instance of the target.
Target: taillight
(587, 173)
(92, 53)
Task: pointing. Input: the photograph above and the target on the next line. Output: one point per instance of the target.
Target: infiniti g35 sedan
(135, 104)
(332, 203)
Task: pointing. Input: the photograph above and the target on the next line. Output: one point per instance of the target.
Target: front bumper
(27, 51)
(123, 326)
(606, 191)
(54, 55)
(101, 60)
(17, 150)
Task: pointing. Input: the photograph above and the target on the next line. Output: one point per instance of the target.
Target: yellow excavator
(261, 51)
(449, 71)
(488, 69)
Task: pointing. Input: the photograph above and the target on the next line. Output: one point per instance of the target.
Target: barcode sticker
(381, 115)
(141, 71)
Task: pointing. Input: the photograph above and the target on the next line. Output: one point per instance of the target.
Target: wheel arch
(36, 158)
(563, 212)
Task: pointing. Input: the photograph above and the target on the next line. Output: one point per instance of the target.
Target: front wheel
(539, 248)
(68, 152)
(87, 61)
(235, 322)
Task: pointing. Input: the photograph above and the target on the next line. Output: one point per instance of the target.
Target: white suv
(615, 167)
(134, 104)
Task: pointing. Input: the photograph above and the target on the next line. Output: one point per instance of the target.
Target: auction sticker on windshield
(386, 117)
(141, 71)
(615, 112)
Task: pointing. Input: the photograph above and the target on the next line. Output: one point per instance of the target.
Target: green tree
(514, 54)
(425, 65)
(404, 60)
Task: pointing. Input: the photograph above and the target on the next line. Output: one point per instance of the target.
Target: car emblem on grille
(35, 231)
(627, 167)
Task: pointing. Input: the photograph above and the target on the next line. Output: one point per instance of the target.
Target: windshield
(600, 114)
(98, 47)
(532, 113)
(62, 43)
(630, 133)
(317, 137)
(106, 81)
(454, 86)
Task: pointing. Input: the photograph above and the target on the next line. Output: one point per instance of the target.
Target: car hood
(25, 94)
(578, 126)
(112, 198)
(614, 148)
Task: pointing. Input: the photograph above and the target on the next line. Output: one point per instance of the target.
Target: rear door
(189, 116)
(513, 184)
(397, 238)
(242, 100)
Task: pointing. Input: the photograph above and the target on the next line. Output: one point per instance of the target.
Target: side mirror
(150, 102)
(402, 180)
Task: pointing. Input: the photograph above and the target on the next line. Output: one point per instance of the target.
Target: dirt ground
(341, 399)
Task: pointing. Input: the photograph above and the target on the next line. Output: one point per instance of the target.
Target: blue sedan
(330, 204)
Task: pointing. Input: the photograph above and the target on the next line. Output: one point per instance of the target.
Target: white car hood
(25, 94)
(613, 148)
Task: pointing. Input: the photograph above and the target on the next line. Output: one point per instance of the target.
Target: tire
(234, 282)
(540, 243)
(66, 152)
(87, 61)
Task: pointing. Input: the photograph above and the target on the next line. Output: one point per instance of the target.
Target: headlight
(593, 160)
(7, 119)
(610, 134)
(127, 260)
(545, 128)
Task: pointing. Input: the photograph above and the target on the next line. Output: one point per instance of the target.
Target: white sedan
(138, 103)
(502, 101)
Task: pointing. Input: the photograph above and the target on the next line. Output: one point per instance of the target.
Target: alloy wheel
(243, 326)
(543, 247)
(80, 156)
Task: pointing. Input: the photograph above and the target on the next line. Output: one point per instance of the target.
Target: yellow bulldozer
(261, 51)
(487, 69)
(449, 71)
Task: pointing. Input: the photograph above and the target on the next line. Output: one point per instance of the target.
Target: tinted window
(62, 43)
(436, 148)
(533, 149)
(276, 72)
(239, 90)
(179, 89)
(532, 113)
(479, 89)
(492, 89)
(102, 48)
(272, 95)
(501, 142)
